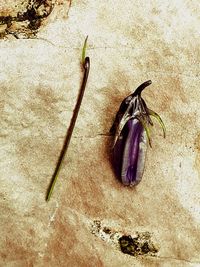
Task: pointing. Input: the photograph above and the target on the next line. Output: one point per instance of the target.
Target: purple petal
(129, 153)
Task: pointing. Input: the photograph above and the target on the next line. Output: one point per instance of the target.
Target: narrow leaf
(84, 50)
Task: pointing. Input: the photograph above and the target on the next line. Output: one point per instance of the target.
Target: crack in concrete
(52, 216)
(42, 252)
(173, 73)
(93, 136)
(176, 259)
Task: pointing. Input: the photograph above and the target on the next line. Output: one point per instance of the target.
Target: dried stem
(86, 66)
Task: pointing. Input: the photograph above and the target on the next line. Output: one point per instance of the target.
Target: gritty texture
(129, 42)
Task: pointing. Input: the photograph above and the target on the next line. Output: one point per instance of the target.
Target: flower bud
(131, 129)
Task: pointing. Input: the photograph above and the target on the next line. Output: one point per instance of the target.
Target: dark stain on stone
(96, 226)
(107, 230)
(139, 245)
(27, 22)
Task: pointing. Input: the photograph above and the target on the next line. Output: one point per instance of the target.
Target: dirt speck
(139, 245)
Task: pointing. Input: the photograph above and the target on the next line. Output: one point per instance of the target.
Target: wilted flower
(131, 129)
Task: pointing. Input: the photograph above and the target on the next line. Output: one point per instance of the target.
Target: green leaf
(84, 50)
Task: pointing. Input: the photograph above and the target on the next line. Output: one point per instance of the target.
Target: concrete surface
(129, 42)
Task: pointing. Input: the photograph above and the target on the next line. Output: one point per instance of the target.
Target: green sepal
(155, 115)
(121, 125)
(146, 128)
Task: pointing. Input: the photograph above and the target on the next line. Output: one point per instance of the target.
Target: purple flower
(131, 129)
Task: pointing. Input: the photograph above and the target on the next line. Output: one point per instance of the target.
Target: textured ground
(39, 82)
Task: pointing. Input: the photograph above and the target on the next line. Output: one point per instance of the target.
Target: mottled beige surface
(129, 42)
